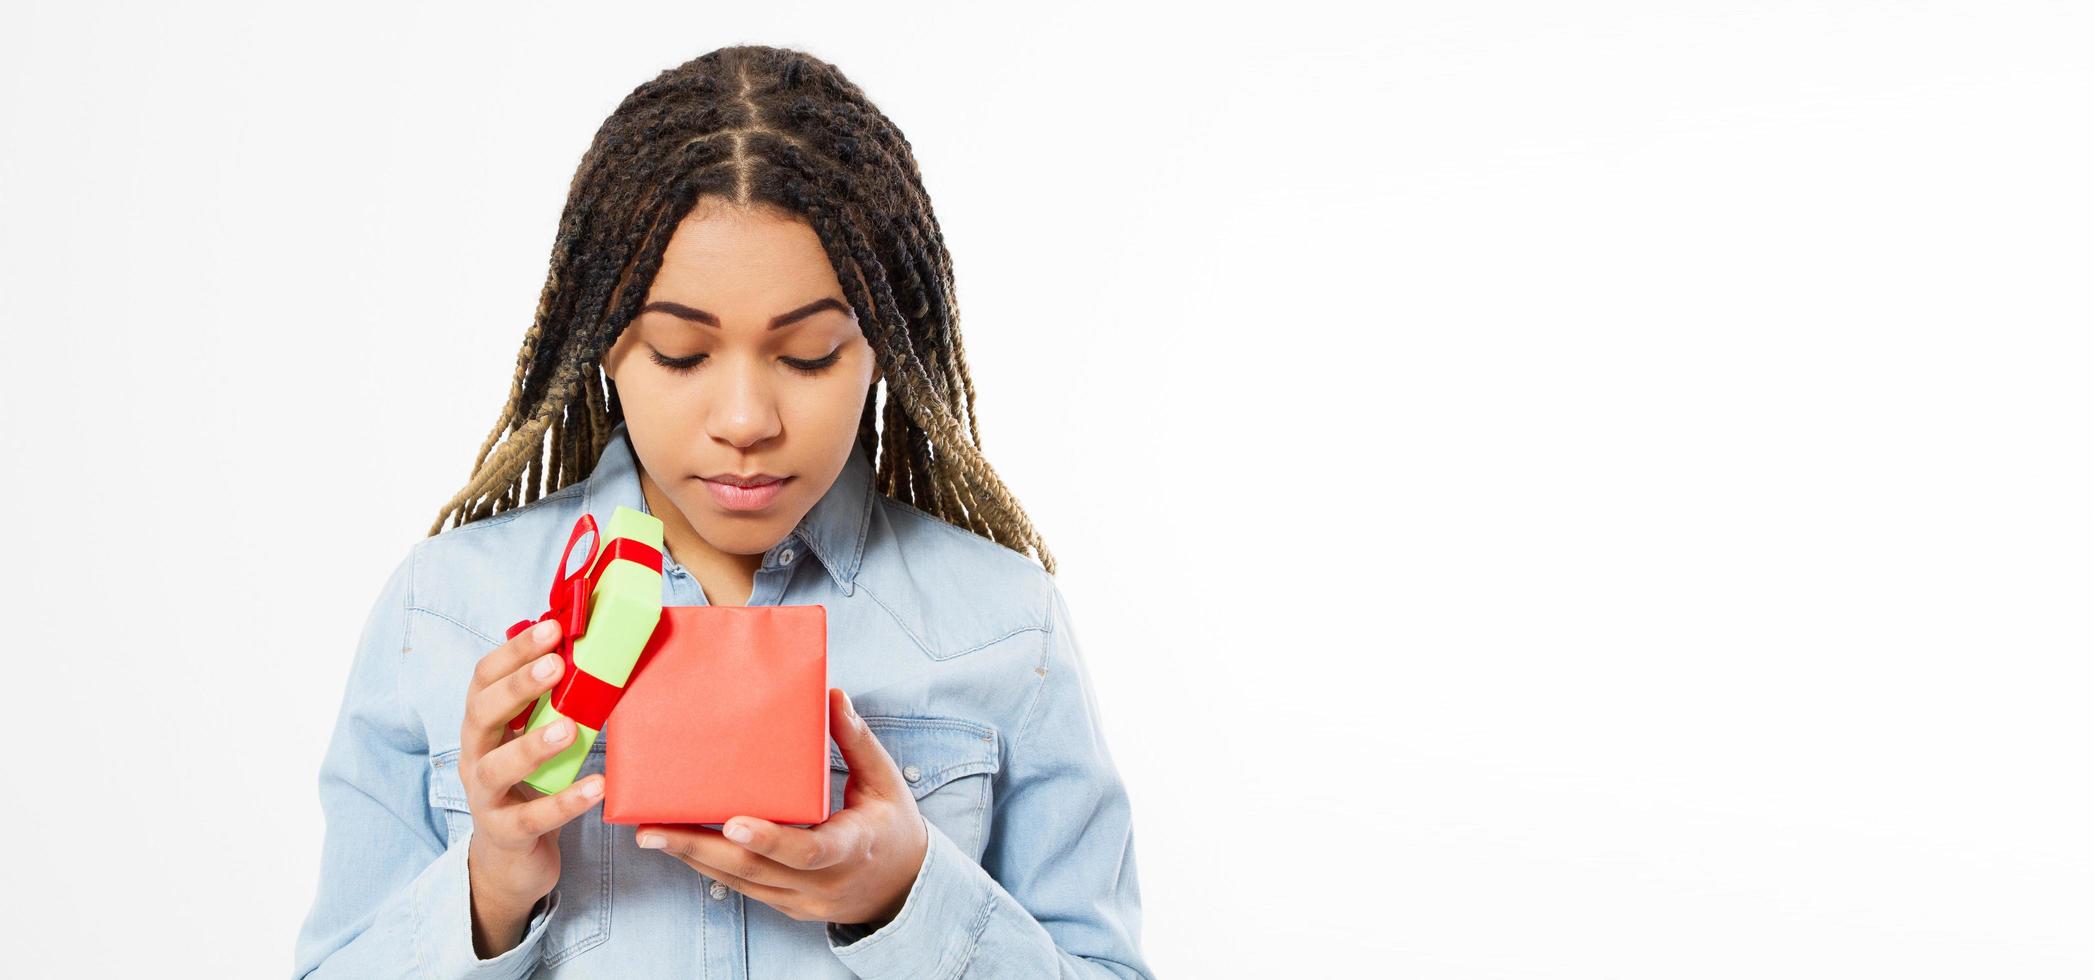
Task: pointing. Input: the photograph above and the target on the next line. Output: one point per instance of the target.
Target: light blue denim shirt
(959, 655)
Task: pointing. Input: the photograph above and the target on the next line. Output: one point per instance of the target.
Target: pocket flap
(938, 750)
(446, 787)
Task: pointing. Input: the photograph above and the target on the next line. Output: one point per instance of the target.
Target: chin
(741, 535)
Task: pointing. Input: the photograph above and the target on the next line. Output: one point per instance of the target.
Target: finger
(505, 768)
(489, 708)
(706, 847)
(503, 660)
(497, 703)
(518, 825)
(795, 847)
(872, 769)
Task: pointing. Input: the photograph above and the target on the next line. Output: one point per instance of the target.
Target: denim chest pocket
(582, 920)
(947, 763)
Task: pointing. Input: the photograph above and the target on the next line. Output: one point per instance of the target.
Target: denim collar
(833, 529)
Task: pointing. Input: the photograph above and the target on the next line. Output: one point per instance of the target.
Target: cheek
(655, 402)
(827, 412)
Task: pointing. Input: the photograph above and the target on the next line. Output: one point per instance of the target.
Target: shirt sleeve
(1055, 894)
(393, 897)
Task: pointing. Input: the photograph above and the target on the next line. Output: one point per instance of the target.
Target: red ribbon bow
(580, 695)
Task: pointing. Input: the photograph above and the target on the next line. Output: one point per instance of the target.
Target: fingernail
(652, 840)
(593, 788)
(546, 630)
(545, 666)
(738, 833)
(851, 710)
(555, 732)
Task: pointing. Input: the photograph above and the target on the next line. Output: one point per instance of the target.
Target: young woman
(746, 259)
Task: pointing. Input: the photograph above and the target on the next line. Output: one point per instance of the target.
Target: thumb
(872, 769)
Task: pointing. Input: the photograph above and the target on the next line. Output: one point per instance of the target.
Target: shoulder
(954, 590)
(460, 590)
(476, 577)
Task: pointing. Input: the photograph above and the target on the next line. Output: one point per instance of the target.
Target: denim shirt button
(911, 773)
(718, 891)
(785, 557)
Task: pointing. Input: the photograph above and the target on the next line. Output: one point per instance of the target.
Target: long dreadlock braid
(771, 128)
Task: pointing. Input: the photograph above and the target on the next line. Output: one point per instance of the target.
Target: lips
(754, 495)
(752, 480)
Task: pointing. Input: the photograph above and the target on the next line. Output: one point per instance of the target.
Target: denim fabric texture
(957, 651)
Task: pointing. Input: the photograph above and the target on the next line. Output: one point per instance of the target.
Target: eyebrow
(696, 315)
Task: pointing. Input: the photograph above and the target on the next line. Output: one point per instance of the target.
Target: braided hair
(771, 128)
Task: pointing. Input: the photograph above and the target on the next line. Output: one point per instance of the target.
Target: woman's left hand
(854, 869)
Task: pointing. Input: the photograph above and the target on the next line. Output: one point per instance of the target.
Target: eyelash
(685, 365)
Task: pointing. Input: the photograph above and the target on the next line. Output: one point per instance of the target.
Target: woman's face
(766, 376)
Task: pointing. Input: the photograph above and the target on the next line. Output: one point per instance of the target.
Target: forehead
(734, 261)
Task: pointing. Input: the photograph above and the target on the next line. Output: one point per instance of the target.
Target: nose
(744, 409)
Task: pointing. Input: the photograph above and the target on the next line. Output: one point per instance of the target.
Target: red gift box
(727, 716)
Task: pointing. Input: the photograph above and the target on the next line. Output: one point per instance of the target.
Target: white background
(1546, 490)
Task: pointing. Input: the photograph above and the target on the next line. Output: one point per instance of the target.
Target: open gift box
(708, 712)
(730, 716)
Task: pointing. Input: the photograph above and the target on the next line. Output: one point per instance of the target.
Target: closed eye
(684, 365)
(817, 365)
(676, 364)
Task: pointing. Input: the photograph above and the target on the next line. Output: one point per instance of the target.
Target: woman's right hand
(513, 859)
